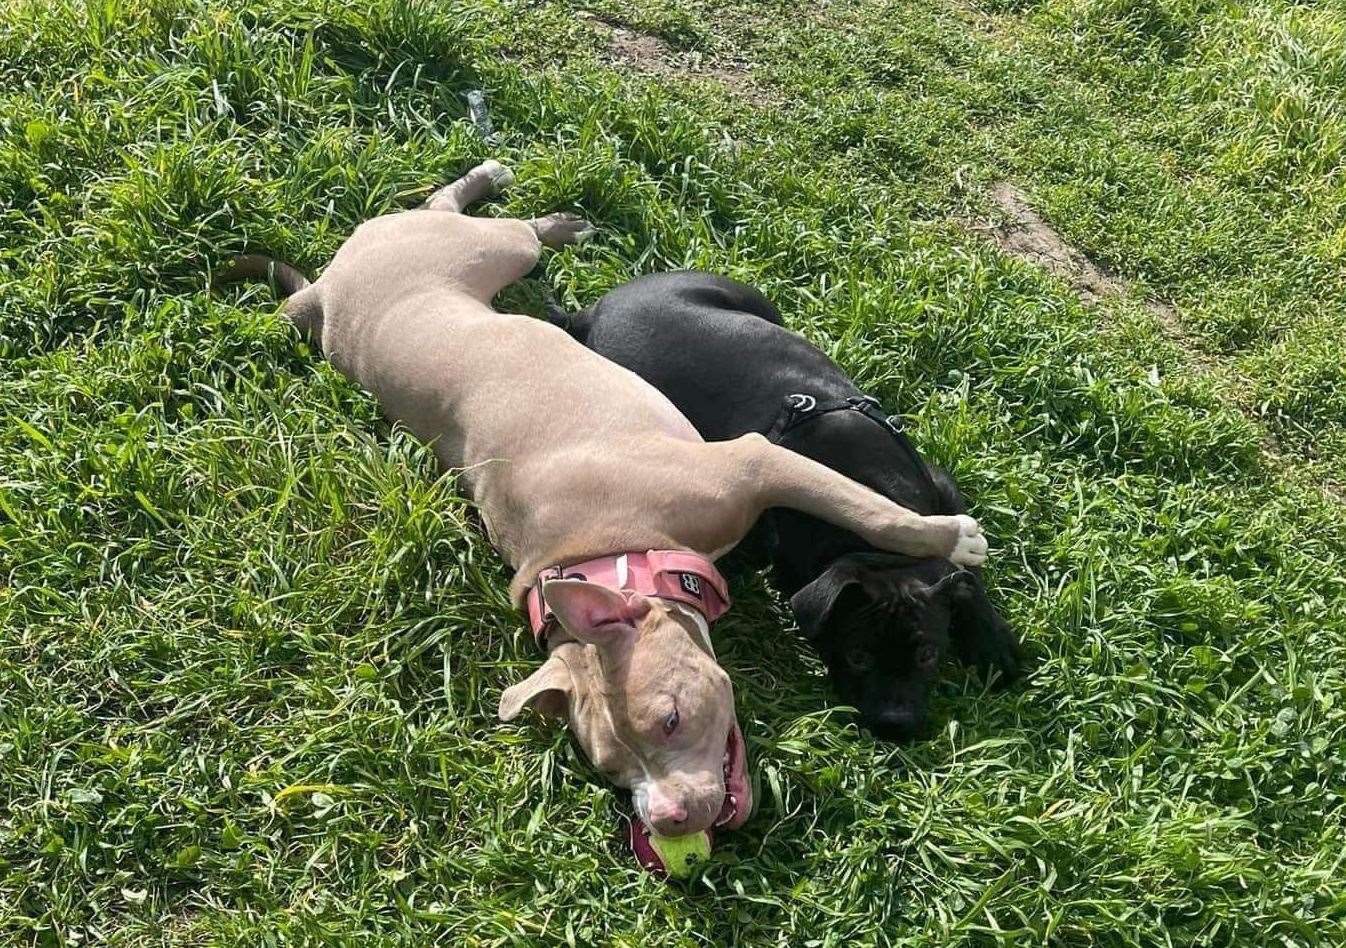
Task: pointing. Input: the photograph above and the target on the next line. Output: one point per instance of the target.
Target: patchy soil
(1025, 235)
(648, 53)
(651, 55)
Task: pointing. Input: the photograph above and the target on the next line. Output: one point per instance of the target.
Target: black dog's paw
(995, 651)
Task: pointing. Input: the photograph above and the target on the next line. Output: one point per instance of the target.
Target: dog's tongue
(645, 851)
(640, 845)
(728, 811)
(738, 793)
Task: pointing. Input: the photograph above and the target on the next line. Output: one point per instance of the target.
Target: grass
(251, 643)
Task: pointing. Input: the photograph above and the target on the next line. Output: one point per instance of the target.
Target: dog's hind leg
(485, 180)
(512, 246)
(304, 309)
(560, 229)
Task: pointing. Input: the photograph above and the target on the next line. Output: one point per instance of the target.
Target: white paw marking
(971, 546)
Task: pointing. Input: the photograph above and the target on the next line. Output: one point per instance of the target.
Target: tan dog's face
(648, 703)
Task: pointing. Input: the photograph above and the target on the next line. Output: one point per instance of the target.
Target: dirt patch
(649, 54)
(1024, 234)
(646, 52)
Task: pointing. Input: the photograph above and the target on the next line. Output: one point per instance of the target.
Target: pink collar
(676, 575)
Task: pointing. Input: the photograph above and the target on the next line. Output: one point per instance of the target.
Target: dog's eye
(859, 659)
(671, 722)
(927, 655)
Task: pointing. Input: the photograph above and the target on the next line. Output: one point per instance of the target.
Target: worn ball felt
(682, 854)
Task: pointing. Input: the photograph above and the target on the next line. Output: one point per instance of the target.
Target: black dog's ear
(814, 604)
(955, 584)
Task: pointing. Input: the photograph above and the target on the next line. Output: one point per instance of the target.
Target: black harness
(799, 409)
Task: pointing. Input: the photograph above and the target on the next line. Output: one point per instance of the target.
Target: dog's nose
(896, 724)
(667, 816)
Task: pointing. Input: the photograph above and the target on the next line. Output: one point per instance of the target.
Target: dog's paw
(559, 230)
(971, 546)
(995, 651)
(501, 177)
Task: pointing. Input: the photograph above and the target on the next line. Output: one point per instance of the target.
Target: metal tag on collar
(551, 572)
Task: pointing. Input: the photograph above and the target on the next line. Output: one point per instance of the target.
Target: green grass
(251, 643)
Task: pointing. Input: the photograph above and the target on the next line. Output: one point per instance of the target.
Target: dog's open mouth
(733, 814)
(737, 790)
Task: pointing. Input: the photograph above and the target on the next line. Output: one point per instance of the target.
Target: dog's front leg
(778, 477)
(981, 638)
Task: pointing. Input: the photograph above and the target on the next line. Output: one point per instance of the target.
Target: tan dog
(570, 457)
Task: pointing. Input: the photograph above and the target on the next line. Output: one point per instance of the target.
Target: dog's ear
(594, 614)
(548, 690)
(814, 605)
(953, 585)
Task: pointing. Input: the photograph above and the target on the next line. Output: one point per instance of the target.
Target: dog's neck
(802, 548)
(560, 636)
(636, 498)
(857, 446)
(687, 583)
(576, 547)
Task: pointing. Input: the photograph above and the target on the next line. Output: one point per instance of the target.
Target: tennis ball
(681, 854)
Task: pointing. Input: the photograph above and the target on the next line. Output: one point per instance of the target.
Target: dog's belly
(548, 436)
(501, 383)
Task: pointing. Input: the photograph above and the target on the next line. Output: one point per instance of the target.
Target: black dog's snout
(896, 724)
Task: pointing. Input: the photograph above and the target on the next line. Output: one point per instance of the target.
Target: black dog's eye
(927, 655)
(671, 722)
(859, 659)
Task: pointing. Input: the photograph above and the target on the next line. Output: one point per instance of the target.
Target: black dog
(881, 622)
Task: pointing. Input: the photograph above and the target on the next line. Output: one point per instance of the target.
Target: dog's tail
(303, 304)
(253, 267)
(577, 323)
(557, 316)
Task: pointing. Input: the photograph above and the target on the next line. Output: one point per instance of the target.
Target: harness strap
(801, 408)
(676, 575)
